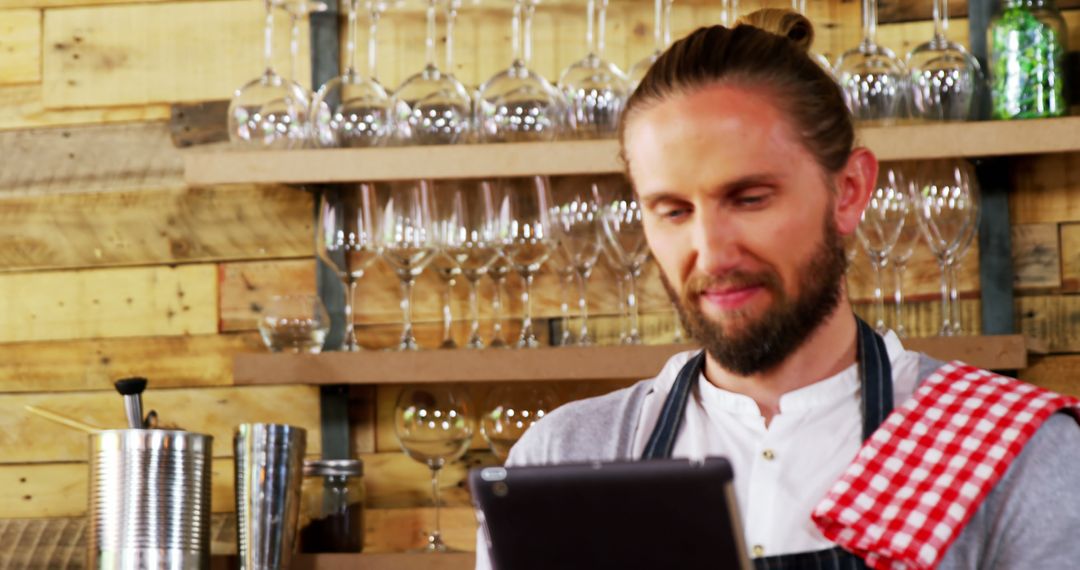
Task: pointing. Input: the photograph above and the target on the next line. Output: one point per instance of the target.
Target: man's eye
(672, 213)
(752, 199)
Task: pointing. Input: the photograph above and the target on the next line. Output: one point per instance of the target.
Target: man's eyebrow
(741, 183)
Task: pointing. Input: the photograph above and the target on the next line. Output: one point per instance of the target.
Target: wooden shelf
(1007, 352)
(908, 142)
(454, 561)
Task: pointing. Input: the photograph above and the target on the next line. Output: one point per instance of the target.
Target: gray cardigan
(1030, 520)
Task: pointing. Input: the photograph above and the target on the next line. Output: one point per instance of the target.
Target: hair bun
(782, 22)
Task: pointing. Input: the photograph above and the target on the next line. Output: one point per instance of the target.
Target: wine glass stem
(373, 42)
(601, 23)
(658, 25)
(451, 18)
(530, 11)
(583, 306)
(407, 338)
(429, 40)
(350, 41)
(879, 296)
(590, 12)
(447, 312)
(268, 39)
(437, 533)
(474, 312)
(946, 326)
(954, 299)
(869, 17)
(632, 335)
(515, 31)
(497, 307)
(941, 18)
(527, 335)
(564, 308)
(351, 344)
(294, 43)
(667, 25)
(898, 298)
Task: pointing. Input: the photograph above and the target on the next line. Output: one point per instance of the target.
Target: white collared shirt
(781, 471)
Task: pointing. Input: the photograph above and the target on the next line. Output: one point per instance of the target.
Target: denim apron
(875, 377)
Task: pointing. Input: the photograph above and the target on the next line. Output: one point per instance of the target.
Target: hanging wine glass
(595, 89)
(904, 248)
(528, 239)
(510, 411)
(620, 220)
(944, 78)
(347, 241)
(352, 110)
(729, 13)
(432, 107)
(879, 229)
(407, 243)
(268, 111)
(467, 233)
(661, 39)
(297, 10)
(518, 104)
(435, 425)
(576, 216)
(871, 76)
(948, 213)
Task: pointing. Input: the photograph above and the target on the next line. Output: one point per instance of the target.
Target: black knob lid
(131, 386)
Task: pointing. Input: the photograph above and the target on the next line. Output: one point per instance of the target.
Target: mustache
(698, 283)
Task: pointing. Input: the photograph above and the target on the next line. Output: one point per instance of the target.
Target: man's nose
(716, 240)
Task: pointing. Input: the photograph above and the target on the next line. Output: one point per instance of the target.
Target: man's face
(740, 218)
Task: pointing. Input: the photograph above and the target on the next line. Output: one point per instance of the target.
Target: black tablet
(647, 514)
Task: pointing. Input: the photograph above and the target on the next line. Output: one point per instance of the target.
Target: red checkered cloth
(922, 475)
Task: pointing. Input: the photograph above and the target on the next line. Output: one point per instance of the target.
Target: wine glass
(268, 111)
(297, 10)
(348, 240)
(432, 107)
(499, 271)
(434, 424)
(879, 229)
(871, 76)
(903, 249)
(407, 243)
(518, 104)
(510, 411)
(576, 219)
(564, 270)
(294, 323)
(620, 221)
(729, 12)
(947, 213)
(954, 297)
(595, 89)
(527, 240)
(661, 39)
(352, 110)
(467, 233)
(944, 78)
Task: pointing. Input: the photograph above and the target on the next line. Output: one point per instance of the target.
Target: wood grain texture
(199, 123)
(153, 226)
(20, 46)
(1070, 257)
(399, 530)
(921, 276)
(83, 365)
(108, 303)
(1036, 256)
(1046, 189)
(21, 107)
(1055, 372)
(213, 411)
(1054, 319)
(89, 159)
(113, 55)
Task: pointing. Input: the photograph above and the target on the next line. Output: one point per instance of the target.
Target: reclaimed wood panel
(21, 107)
(154, 226)
(108, 303)
(1070, 257)
(20, 46)
(1046, 189)
(400, 530)
(1052, 319)
(1060, 373)
(103, 158)
(214, 411)
(923, 319)
(114, 55)
(82, 365)
(1036, 256)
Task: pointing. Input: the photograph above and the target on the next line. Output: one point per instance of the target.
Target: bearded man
(741, 152)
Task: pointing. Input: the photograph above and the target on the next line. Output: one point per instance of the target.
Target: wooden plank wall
(111, 266)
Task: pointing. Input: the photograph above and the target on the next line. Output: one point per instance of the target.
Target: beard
(762, 344)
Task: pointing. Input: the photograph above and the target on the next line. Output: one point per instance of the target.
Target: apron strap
(875, 378)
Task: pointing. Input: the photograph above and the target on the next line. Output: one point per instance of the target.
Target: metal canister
(149, 500)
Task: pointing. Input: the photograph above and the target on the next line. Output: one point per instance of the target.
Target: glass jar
(333, 506)
(1027, 42)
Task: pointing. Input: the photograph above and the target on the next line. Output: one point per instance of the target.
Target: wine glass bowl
(519, 105)
(269, 112)
(873, 82)
(596, 93)
(944, 80)
(510, 412)
(432, 107)
(351, 111)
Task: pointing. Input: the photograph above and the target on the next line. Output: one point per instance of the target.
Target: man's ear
(854, 185)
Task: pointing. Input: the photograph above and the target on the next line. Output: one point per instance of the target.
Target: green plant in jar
(1027, 47)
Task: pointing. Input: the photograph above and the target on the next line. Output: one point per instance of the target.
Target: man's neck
(829, 350)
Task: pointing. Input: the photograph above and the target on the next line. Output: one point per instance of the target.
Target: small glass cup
(294, 323)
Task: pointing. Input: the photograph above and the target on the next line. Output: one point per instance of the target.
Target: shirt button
(759, 551)
(768, 455)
